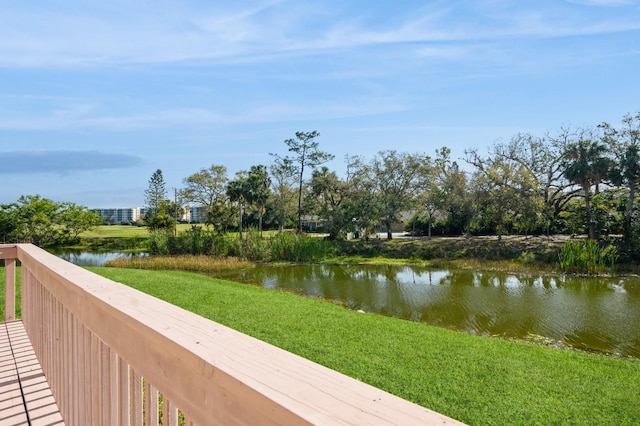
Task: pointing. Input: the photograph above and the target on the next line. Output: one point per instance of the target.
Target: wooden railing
(113, 355)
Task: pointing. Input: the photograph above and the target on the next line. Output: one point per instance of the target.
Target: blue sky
(95, 96)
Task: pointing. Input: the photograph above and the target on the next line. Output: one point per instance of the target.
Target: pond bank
(473, 379)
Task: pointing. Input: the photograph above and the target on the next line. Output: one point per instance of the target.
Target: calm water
(596, 314)
(83, 258)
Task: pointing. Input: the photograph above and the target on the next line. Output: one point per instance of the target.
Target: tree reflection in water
(600, 314)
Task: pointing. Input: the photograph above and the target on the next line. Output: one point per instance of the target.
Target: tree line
(573, 181)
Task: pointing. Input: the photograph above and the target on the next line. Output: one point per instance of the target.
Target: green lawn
(116, 231)
(477, 380)
(128, 231)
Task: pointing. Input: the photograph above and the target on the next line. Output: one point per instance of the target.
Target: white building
(114, 216)
(197, 214)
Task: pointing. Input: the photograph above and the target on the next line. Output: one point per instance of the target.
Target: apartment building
(126, 215)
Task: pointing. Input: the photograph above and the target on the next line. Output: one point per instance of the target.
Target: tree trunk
(629, 212)
(587, 207)
(300, 200)
(240, 222)
(259, 205)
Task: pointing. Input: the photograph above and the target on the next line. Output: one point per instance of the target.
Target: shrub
(287, 246)
(587, 256)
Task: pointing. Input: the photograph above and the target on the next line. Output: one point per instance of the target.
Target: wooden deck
(114, 355)
(25, 397)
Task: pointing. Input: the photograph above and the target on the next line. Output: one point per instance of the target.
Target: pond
(590, 313)
(84, 258)
(594, 314)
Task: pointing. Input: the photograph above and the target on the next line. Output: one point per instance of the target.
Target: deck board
(25, 397)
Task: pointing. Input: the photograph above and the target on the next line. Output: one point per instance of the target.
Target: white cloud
(85, 116)
(130, 33)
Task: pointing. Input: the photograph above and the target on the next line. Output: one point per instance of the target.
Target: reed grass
(288, 246)
(587, 256)
(283, 246)
(200, 264)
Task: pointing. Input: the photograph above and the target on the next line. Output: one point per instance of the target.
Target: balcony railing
(114, 355)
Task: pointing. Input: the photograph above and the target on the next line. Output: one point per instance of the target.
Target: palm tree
(237, 190)
(585, 164)
(258, 183)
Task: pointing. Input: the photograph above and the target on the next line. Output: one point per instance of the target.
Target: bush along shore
(560, 254)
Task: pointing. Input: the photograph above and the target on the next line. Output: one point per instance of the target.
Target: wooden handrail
(109, 350)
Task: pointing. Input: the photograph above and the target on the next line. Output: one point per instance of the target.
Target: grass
(2, 295)
(201, 264)
(474, 379)
(128, 231)
(116, 231)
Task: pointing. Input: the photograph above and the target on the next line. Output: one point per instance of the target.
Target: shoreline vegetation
(559, 254)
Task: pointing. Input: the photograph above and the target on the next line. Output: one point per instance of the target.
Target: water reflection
(598, 314)
(83, 258)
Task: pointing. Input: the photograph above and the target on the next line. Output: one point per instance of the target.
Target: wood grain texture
(25, 396)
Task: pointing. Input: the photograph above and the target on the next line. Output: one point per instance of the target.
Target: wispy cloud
(30, 162)
(118, 34)
(606, 3)
(87, 116)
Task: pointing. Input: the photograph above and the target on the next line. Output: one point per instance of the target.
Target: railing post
(9, 254)
(9, 289)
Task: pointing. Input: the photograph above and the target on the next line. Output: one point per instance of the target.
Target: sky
(96, 96)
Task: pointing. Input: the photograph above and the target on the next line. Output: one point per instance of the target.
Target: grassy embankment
(113, 238)
(474, 379)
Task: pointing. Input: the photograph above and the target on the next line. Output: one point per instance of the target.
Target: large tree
(457, 201)
(539, 168)
(283, 173)
(155, 193)
(328, 192)
(75, 219)
(398, 177)
(305, 154)
(43, 222)
(36, 219)
(361, 203)
(238, 191)
(158, 217)
(585, 164)
(207, 188)
(507, 193)
(625, 144)
(258, 183)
